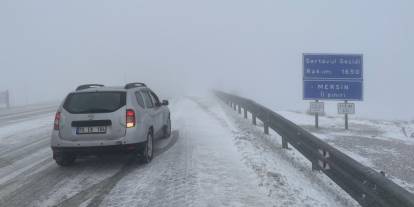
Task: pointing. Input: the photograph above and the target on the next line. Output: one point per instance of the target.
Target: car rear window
(94, 102)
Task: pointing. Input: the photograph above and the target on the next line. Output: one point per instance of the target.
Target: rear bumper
(126, 148)
(132, 137)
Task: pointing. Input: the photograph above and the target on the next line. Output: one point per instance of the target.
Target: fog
(186, 47)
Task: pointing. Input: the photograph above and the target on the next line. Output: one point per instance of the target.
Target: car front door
(158, 111)
(150, 109)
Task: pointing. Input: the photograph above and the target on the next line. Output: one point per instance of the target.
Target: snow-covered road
(211, 159)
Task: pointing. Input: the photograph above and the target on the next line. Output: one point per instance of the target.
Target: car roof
(107, 88)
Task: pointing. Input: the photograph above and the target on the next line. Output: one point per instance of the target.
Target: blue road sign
(332, 90)
(332, 77)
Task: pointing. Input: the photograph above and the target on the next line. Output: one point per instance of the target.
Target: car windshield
(94, 102)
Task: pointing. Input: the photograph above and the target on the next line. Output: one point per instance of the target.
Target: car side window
(140, 99)
(148, 99)
(155, 99)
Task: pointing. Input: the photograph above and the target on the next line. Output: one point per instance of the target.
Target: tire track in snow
(176, 182)
(12, 118)
(10, 185)
(95, 194)
(17, 153)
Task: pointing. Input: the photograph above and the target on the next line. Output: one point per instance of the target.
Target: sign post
(346, 117)
(317, 108)
(317, 118)
(333, 77)
(346, 108)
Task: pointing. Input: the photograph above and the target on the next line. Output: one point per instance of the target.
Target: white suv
(96, 119)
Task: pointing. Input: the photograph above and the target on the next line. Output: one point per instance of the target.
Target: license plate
(91, 130)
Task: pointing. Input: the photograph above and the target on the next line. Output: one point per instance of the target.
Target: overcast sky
(254, 48)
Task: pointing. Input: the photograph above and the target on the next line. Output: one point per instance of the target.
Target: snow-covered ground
(383, 145)
(213, 158)
(285, 175)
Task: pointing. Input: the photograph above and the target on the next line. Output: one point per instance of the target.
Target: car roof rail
(135, 85)
(87, 86)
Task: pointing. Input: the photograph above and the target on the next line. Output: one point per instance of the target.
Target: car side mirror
(165, 103)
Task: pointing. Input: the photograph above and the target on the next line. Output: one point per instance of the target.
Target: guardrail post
(266, 128)
(266, 123)
(315, 166)
(284, 143)
(245, 113)
(254, 119)
(239, 109)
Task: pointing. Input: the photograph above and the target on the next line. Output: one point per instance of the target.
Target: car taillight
(130, 118)
(57, 121)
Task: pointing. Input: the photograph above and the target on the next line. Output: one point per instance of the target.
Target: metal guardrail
(368, 187)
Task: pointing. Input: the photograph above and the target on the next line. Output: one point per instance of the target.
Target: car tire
(65, 159)
(148, 151)
(167, 130)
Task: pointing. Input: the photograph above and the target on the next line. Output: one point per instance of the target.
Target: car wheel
(167, 129)
(64, 159)
(148, 149)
